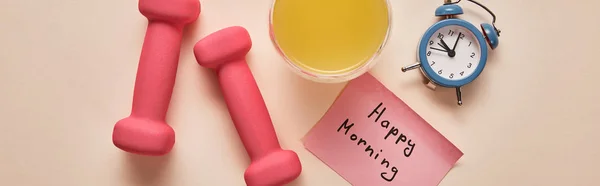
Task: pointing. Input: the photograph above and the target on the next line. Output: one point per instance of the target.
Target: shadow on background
(190, 33)
(148, 170)
(313, 99)
(297, 182)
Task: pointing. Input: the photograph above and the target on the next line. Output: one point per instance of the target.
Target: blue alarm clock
(453, 52)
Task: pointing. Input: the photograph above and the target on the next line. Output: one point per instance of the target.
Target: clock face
(453, 52)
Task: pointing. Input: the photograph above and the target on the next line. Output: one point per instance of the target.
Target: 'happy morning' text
(393, 133)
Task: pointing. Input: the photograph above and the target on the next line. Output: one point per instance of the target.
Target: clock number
(428, 53)
(440, 35)
(432, 63)
(440, 72)
(462, 36)
(470, 43)
(450, 32)
(451, 75)
(462, 73)
(472, 54)
(469, 65)
(431, 42)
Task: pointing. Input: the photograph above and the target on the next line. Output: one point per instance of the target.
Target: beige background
(67, 70)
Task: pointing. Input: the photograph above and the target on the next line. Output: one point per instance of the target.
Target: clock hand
(445, 45)
(451, 53)
(447, 49)
(438, 49)
(456, 42)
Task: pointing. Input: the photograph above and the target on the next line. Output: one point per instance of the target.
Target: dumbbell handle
(157, 70)
(247, 108)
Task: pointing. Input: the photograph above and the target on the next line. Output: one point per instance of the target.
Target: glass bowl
(331, 77)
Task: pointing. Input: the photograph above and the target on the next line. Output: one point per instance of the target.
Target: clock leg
(430, 85)
(411, 67)
(458, 96)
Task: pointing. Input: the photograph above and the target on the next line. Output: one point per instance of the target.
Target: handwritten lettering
(410, 149)
(393, 132)
(395, 170)
(385, 124)
(378, 114)
(345, 128)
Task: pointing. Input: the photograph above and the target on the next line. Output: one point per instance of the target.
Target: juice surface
(330, 36)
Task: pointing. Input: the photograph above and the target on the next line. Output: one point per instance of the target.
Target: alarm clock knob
(448, 10)
(491, 34)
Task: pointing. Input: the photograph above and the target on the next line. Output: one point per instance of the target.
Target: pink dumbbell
(145, 130)
(225, 51)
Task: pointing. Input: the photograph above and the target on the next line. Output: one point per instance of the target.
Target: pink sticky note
(370, 137)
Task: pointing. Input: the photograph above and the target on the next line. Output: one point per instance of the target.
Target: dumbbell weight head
(180, 12)
(143, 136)
(223, 46)
(277, 168)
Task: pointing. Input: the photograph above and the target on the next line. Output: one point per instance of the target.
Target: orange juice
(329, 37)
